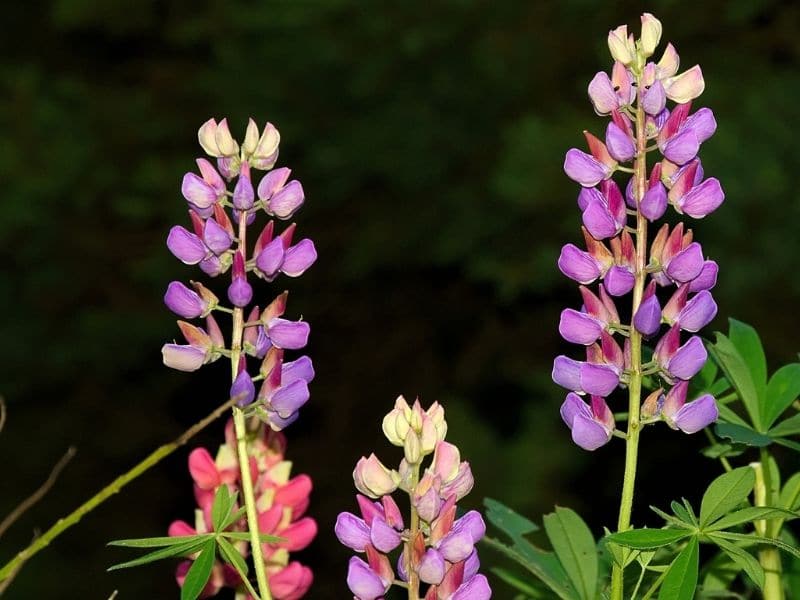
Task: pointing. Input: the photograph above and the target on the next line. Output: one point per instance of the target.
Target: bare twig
(26, 504)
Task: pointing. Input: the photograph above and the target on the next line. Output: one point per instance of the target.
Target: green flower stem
(115, 486)
(769, 557)
(240, 426)
(413, 578)
(635, 383)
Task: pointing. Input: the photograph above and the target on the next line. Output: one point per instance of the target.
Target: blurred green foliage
(429, 138)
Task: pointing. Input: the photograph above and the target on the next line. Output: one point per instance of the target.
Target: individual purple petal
(384, 538)
(588, 195)
(287, 200)
(186, 246)
(240, 293)
(688, 360)
(630, 200)
(197, 191)
(289, 335)
(681, 147)
(473, 523)
(243, 388)
(698, 312)
(686, 264)
(602, 94)
(183, 357)
(598, 380)
(647, 319)
(471, 565)
(184, 302)
(352, 531)
(476, 588)
(363, 581)
(578, 327)
(588, 433)
(271, 257)
(216, 237)
(599, 222)
(702, 123)
(302, 368)
(696, 415)
(619, 143)
(619, 280)
(298, 258)
(288, 399)
(578, 265)
(432, 567)
(584, 168)
(456, 545)
(572, 407)
(278, 423)
(654, 99)
(702, 199)
(212, 266)
(243, 194)
(567, 373)
(707, 278)
(272, 182)
(654, 203)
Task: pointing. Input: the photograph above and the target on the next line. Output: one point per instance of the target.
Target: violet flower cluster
(282, 502)
(437, 550)
(223, 201)
(671, 284)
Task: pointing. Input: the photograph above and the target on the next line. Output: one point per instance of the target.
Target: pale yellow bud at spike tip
(225, 143)
(621, 45)
(651, 34)
(206, 135)
(412, 449)
(250, 138)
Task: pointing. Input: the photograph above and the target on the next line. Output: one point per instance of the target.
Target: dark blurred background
(429, 137)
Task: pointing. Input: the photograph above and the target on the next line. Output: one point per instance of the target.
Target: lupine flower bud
(243, 194)
(373, 479)
(185, 302)
(591, 427)
(621, 45)
(266, 151)
(651, 34)
(647, 319)
(240, 292)
(619, 143)
(243, 388)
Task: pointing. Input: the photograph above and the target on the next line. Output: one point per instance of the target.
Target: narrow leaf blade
(681, 580)
(648, 539)
(725, 493)
(783, 389)
(199, 573)
(742, 558)
(169, 551)
(575, 548)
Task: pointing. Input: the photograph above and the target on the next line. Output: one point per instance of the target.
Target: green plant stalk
(413, 578)
(635, 383)
(240, 426)
(115, 486)
(769, 557)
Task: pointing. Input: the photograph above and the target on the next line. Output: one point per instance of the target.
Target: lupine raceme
(666, 281)
(436, 549)
(224, 200)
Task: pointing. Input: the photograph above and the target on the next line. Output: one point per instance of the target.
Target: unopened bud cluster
(437, 550)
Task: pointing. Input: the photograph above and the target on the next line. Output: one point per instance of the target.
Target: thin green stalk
(769, 557)
(635, 383)
(413, 578)
(240, 427)
(115, 486)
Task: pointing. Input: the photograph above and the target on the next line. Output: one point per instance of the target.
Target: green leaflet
(575, 548)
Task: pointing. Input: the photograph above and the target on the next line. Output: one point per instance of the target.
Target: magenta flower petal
(572, 407)
(584, 168)
(302, 368)
(184, 302)
(567, 373)
(620, 145)
(707, 278)
(271, 257)
(363, 581)
(587, 196)
(476, 588)
(698, 312)
(688, 360)
(702, 123)
(432, 567)
(298, 258)
(186, 246)
(578, 327)
(598, 380)
(352, 531)
(287, 200)
(197, 191)
(216, 237)
(682, 147)
(588, 433)
(702, 199)
(647, 319)
(240, 293)
(384, 538)
(654, 203)
(619, 280)
(602, 94)
(578, 265)
(654, 99)
(599, 222)
(288, 399)
(471, 565)
(289, 335)
(456, 545)
(244, 387)
(243, 194)
(272, 182)
(686, 264)
(696, 415)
